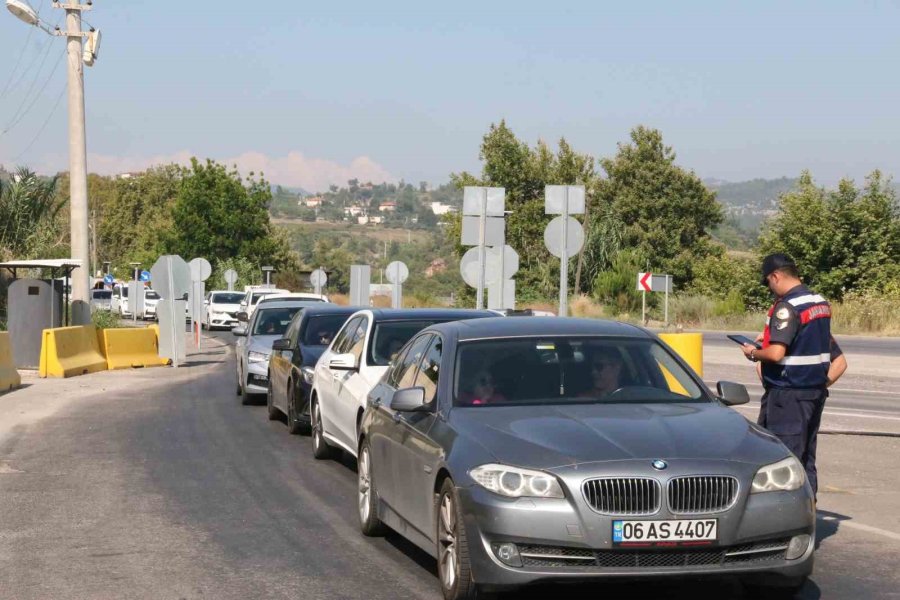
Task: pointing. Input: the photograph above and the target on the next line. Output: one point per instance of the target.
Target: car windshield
(274, 321)
(124, 292)
(229, 298)
(102, 295)
(569, 370)
(320, 330)
(151, 295)
(390, 336)
(254, 298)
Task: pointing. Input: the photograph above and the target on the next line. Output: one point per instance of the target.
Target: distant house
(376, 219)
(389, 206)
(366, 220)
(438, 265)
(354, 211)
(312, 202)
(439, 208)
(127, 175)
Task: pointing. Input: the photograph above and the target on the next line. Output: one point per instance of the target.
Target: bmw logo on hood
(659, 465)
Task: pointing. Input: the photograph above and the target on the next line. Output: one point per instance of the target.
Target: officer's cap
(773, 262)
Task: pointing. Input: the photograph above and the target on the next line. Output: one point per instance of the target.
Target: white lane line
(712, 386)
(861, 527)
(834, 413)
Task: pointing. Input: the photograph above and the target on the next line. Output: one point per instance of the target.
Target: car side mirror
(242, 317)
(282, 344)
(408, 400)
(343, 362)
(240, 331)
(732, 394)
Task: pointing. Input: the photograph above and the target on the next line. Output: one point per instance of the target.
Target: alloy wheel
(317, 425)
(447, 554)
(365, 488)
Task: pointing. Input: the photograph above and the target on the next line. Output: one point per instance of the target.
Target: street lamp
(78, 57)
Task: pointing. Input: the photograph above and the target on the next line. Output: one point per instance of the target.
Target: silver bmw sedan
(523, 450)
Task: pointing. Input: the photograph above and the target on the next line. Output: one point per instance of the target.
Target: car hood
(262, 343)
(216, 307)
(551, 436)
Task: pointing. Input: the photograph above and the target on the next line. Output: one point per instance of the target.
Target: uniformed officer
(795, 357)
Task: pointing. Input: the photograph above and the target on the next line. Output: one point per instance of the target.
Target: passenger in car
(484, 390)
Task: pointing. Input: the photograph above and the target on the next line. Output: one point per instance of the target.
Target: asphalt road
(159, 484)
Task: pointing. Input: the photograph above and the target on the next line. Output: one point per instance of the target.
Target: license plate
(681, 531)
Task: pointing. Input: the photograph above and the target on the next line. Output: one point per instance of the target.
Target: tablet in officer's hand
(743, 339)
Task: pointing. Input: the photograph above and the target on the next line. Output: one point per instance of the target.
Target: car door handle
(397, 418)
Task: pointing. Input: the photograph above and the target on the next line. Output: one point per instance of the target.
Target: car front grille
(696, 494)
(626, 496)
(585, 558)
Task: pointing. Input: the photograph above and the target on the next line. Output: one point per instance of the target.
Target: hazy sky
(315, 93)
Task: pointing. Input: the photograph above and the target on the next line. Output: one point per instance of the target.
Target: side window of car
(291, 332)
(345, 336)
(411, 361)
(429, 372)
(355, 347)
(393, 377)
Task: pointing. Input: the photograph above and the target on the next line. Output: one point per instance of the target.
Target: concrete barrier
(9, 377)
(689, 346)
(70, 351)
(130, 347)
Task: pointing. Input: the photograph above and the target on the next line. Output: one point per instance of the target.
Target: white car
(293, 296)
(119, 302)
(358, 356)
(101, 299)
(254, 295)
(151, 299)
(220, 309)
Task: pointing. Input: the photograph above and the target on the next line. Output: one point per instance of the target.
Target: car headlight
(308, 374)
(256, 357)
(785, 475)
(516, 483)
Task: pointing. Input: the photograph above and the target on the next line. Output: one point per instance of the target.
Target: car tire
(239, 389)
(366, 496)
(321, 449)
(294, 425)
(454, 568)
(271, 411)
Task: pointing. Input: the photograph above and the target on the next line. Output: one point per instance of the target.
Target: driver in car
(606, 368)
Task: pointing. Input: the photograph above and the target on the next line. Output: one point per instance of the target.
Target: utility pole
(78, 198)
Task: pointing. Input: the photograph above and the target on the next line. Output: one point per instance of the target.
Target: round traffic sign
(396, 272)
(493, 273)
(553, 237)
(145, 276)
(318, 278)
(469, 265)
(231, 276)
(172, 266)
(200, 269)
(108, 279)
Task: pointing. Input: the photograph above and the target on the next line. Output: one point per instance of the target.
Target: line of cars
(523, 450)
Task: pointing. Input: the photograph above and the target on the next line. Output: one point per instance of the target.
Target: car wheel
(369, 522)
(293, 419)
(270, 406)
(454, 568)
(321, 449)
(239, 390)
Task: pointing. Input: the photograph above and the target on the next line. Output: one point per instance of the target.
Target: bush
(868, 312)
(104, 319)
(690, 308)
(617, 286)
(732, 304)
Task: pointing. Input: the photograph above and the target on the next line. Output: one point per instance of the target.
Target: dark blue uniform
(796, 385)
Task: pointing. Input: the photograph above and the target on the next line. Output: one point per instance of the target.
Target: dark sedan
(522, 450)
(293, 361)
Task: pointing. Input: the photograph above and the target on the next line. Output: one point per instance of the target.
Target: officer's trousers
(794, 415)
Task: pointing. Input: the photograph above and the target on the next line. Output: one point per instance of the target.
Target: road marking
(836, 413)
(712, 385)
(861, 527)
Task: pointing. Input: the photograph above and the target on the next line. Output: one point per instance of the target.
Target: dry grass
(583, 306)
(376, 232)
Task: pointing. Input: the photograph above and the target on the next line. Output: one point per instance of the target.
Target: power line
(44, 126)
(6, 87)
(18, 117)
(34, 80)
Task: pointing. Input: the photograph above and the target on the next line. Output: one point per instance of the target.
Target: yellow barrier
(70, 351)
(130, 347)
(689, 346)
(9, 377)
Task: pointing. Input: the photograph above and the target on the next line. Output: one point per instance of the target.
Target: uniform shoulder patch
(782, 313)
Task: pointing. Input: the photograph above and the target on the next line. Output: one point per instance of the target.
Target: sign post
(231, 278)
(360, 278)
(268, 271)
(200, 272)
(483, 225)
(564, 236)
(318, 279)
(397, 272)
(173, 280)
(648, 282)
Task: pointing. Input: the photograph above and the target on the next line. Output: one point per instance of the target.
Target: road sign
(108, 279)
(564, 228)
(502, 294)
(499, 265)
(483, 224)
(494, 231)
(397, 272)
(200, 269)
(231, 278)
(172, 277)
(360, 279)
(145, 276)
(564, 236)
(661, 283)
(318, 279)
(564, 200)
(645, 282)
(488, 201)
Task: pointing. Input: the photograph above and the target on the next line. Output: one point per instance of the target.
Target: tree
(29, 217)
(843, 240)
(665, 210)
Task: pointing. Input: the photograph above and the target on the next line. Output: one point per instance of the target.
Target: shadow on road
(827, 524)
